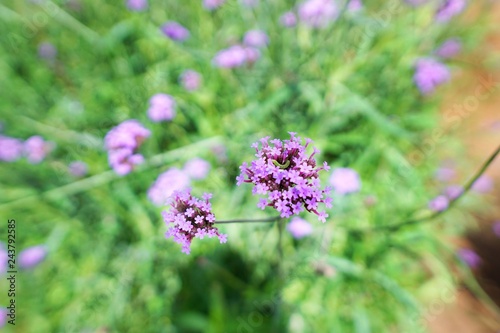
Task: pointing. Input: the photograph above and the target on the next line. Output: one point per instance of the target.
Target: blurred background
(107, 108)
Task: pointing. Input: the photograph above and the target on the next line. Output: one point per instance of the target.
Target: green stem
(280, 273)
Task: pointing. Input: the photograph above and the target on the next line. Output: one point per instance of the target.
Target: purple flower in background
(449, 9)
(256, 38)
(439, 203)
(355, 5)
(429, 74)
(3, 317)
(212, 4)
(137, 5)
(166, 184)
(10, 149)
(453, 191)
(445, 174)
(190, 80)
(496, 228)
(450, 48)
(252, 54)
(287, 176)
(4, 259)
(299, 228)
(345, 180)
(47, 51)
(234, 56)
(288, 19)
(197, 168)
(121, 143)
(161, 108)
(483, 184)
(471, 258)
(175, 31)
(318, 13)
(78, 168)
(189, 218)
(32, 256)
(36, 148)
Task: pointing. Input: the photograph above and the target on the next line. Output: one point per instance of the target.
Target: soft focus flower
(166, 184)
(32, 256)
(4, 259)
(496, 228)
(175, 31)
(10, 149)
(354, 5)
(445, 174)
(453, 191)
(77, 168)
(416, 2)
(36, 148)
(287, 176)
(161, 108)
(429, 74)
(345, 180)
(234, 56)
(121, 142)
(190, 80)
(47, 51)
(288, 19)
(137, 5)
(318, 13)
(252, 54)
(483, 184)
(299, 228)
(439, 203)
(197, 168)
(256, 38)
(450, 48)
(190, 217)
(212, 4)
(3, 317)
(471, 258)
(449, 9)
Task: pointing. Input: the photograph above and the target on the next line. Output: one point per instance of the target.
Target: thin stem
(269, 219)
(431, 216)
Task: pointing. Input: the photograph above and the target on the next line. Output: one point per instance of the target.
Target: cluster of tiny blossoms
(288, 177)
(190, 217)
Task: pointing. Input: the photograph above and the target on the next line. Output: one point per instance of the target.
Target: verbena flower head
(197, 168)
(36, 148)
(190, 217)
(470, 257)
(137, 5)
(439, 203)
(450, 48)
(483, 184)
(161, 108)
(288, 19)
(190, 80)
(234, 56)
(449, 9)
(287, 176)
(318, 13)
(78, 168)
(299, 228)
(212, 4)
(32, 256)
(166, 184)
(121, 142)
(47, 51)
(10, 149)
(429, 74)
(345, 181)
(256, 38)
(175, 31)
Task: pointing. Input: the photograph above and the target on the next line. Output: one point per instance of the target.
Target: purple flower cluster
(78, 168)
(137, 5)
(299, 228)
(212, 4)
(355, 5)
(32, 256)
(439, 203)
(288, 177)
(175, 31)
(4, 259)
(166, 184)
(450, 48)
(449, 9)
(161, 108)
(256, 38)
(470, 257)
(122, 142)
(318, 13)
(345, 181)
(483, 184)
(34, 149)
(288, 19)
(236, 56)
(190, 217)
(197, 168)
(190, 80)
(429, 74)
